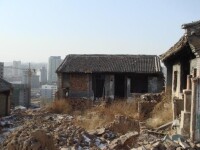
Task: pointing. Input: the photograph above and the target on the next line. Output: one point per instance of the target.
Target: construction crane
(29, 73)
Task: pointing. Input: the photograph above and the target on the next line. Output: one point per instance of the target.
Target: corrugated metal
(110, 63)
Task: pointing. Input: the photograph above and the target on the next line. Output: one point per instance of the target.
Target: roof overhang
(183, 42)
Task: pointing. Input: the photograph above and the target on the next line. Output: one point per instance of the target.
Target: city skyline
(32, 31)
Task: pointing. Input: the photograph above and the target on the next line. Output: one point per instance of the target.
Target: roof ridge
(186, 25)
(111, 55)
(5, 81)
(110, 63)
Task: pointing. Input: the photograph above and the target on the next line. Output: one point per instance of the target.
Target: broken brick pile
(43, 130)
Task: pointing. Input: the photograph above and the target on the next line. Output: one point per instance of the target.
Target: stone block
(185, 123)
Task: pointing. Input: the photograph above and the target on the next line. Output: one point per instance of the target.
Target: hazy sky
(33, 30)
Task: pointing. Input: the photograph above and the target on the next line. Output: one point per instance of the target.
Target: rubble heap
(40, 130)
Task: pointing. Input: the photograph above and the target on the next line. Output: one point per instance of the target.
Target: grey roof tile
(4, 85)
(110, 63)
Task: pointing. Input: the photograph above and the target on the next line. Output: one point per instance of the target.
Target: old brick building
(109, 76)
(183, 79)
(182, 60)
(5, 97)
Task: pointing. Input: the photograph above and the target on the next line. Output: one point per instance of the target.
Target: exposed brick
(79, 82)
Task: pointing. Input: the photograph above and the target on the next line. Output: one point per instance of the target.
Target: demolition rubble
(38, 129)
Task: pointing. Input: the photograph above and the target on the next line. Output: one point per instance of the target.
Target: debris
(165, 126)
(100, 131)
(39, 129)
(183, 144)
(177, 137)
(121, 141)
(20, 107)
(156, 133)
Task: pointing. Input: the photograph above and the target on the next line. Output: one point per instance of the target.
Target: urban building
(109, 76)
(1, 69)
(48, 91)
(35, 83)
(20, 95)
(43, 75)
(5, 96)
(54, 62)
(16, 71)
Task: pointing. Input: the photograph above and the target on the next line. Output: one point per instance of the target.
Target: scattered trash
(40, 129)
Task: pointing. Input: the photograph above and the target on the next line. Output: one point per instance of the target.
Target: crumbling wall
(79, 82)
(80, 104)
(123, 124)
(197, 111)
(59, 84)
(145, 107)
(152, 84)
(178, 106)
(109, 86)
(3, 99)
(79, 85)
(193, 65)
(65, 81)
(161, 83)
(176, 81)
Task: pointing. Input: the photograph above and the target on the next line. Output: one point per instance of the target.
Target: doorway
(98, 85)
(120, 86)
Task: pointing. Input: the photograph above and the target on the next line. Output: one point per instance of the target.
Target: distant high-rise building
(54, 62)
(20, 95)
(1, 69)
(35, 83)
(43, 75)
(16, 72)
(48, 91)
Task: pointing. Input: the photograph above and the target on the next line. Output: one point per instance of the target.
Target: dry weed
(102, 115)
(162, 112)
(60, 106)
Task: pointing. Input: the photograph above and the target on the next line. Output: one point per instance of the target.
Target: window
(195, 72)
(175, 80)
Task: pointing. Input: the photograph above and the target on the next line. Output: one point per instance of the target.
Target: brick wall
(79, 82)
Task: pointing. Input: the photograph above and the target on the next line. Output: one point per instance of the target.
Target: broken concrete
(44, 130)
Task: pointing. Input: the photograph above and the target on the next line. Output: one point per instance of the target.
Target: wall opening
(185, 70)
(119, 86)
(139, 84)
(175, 80)
(195, 72)
(98, 85)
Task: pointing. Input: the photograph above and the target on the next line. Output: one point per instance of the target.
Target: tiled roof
(194, 42)
(187, 25)
(110, 63)
(190, 39)
(4, 85)
(176, 48)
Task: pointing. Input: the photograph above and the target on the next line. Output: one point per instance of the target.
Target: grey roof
(191, 40)
(176, 48)
(110, 63)
(4, 85)
(194, 42)
(187, 25)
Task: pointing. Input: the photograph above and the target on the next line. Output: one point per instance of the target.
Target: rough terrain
(38, 129)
